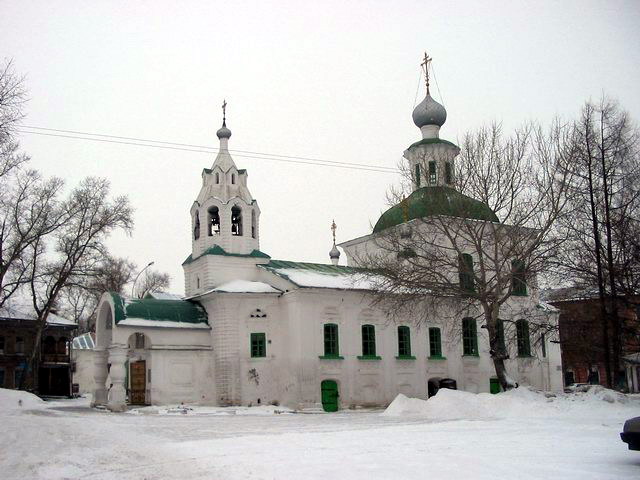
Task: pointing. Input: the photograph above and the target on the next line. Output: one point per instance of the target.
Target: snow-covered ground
(520, 434)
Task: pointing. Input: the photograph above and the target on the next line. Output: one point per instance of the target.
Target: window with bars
(331, 347)
(404, 341)
(258, 345)
(465, 272)
(417, 174)
(518, 278)
(433, 177)
(448, 173)
(469, 337)
(435, 343)
(368, 341)
(522, 334)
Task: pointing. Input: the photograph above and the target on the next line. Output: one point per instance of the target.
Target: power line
(73, 134)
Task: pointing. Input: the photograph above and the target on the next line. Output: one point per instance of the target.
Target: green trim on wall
(331, 357)
(431, 141)
(405, 357)
(218, 250)
(438, 357)
(369, 357)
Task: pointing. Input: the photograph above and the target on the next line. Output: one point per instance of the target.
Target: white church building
(253, 330)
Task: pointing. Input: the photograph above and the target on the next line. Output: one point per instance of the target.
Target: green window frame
(368, 341)
(433, 176)
(524, 342)
(435, 343)
(469, 337)
(518, 278)
(465, 273)
(417, 174)
(404, 342)
(331, 344)
(448, 173)
(258, 345)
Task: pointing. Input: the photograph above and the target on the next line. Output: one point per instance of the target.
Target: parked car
(631, 433)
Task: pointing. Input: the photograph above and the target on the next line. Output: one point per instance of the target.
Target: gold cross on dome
(425, 64)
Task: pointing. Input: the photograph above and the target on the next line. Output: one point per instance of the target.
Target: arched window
(197, 282)
(433, 176)
(253, 224)
(233, 179)
(465, 272)
(522, 333)
(217, 178)
(196, 228)
(331, 347)
(448, 173)
(404, 341)
(518, 278)
(49, 345)
(469, 337)
(368, 341)
(236, 221)
(62, 346)
(214, 221)
(417, 174)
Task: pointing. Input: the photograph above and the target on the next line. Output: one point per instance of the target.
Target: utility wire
(73, 134)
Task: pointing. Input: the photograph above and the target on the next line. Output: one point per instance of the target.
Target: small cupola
(429, 115)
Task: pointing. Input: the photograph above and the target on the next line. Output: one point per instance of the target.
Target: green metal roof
(312, 267)
(432, 201)
(430, 141)
(183, 311)
(218, 250)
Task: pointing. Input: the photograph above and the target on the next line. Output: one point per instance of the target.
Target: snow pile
(517, 403)
(17, 400)
(210, 411)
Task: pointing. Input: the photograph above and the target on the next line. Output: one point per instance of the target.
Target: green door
(329, 395)
(494, 385)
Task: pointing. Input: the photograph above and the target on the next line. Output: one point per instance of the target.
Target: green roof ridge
(218, 250)
(431, 141)
(432, 201)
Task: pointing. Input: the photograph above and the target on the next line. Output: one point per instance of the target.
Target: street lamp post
(133, 287)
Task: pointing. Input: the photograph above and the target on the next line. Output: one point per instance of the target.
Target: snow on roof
(164, 296)
(245, 286)
(21, 311)
(547, 307)
(317, 275)
(84, 342)
(143, 322)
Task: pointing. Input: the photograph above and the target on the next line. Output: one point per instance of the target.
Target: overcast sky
(328, 80)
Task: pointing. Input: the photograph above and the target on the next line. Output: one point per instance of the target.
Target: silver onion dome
(334, 252)
(429, 112)
(223, 132)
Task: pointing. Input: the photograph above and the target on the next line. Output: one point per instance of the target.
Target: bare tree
(457, 260)
(602, 250)
(152, 281)
(78, 247)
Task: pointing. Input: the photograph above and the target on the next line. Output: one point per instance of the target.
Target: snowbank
(209, 411)
(17, 400)
(520, 402)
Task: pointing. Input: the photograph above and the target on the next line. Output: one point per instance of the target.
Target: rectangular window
(432, 173)
(404, 341)
(2, 385)
(518, 278)
(448, 173)
(543, 345)
(17, 377)
(522, 333)
(469, 337)
(331, 340)
(1, 347)
(19, 345)
(368, 341)
(417, 174)
(258, 345)
(465, 273)
(435, 343)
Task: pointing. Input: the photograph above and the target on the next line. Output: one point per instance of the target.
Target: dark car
(631, 433)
